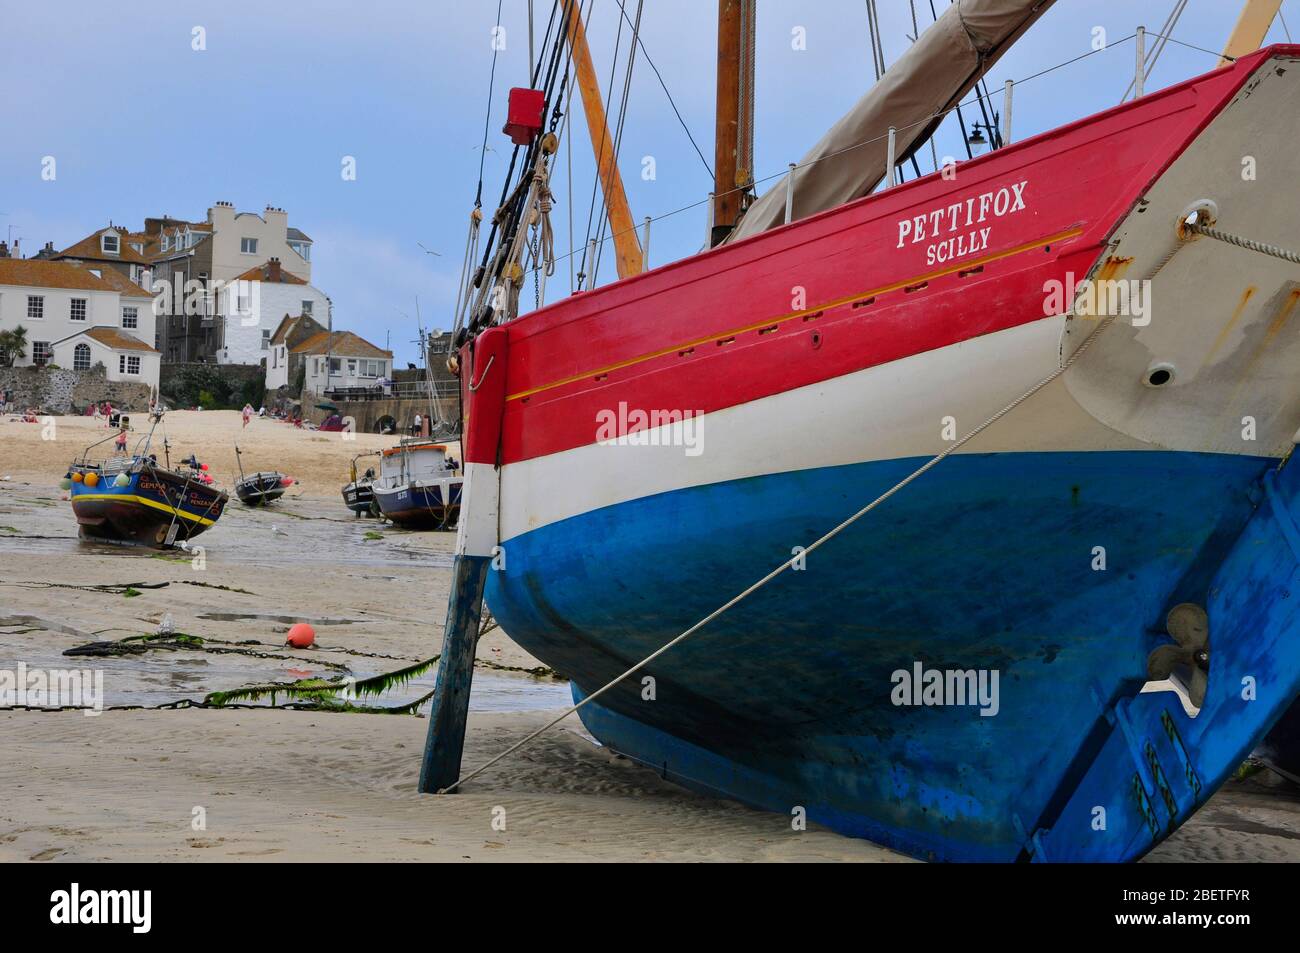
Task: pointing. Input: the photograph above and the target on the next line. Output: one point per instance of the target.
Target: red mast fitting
(524, 115)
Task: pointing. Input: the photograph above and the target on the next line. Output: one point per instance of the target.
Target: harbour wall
(65, 391)
(370, 415)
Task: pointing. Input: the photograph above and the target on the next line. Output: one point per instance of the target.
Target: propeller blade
(1162, 662)
(1200, 682)
(1189, 626)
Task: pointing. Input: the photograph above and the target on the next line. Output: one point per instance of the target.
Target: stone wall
(368, 414)
(226, 386)
(63, 391)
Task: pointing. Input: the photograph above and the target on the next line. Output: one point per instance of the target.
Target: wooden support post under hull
(446, 739)
(622, 230)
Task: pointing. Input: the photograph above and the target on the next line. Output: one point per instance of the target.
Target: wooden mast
(627, 247)
(726, 197)
(1252, 26)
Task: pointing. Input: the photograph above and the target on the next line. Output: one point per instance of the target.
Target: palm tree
(13, 345)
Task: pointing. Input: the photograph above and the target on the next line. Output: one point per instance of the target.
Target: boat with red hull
(1079, 404)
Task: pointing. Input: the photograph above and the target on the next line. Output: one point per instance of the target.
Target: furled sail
(930, 78)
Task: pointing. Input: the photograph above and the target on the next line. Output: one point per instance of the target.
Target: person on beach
(248, 413)
(121, 439)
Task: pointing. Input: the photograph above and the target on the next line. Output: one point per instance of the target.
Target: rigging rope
(1166, 31)
(1276, 251)
(487, 119)
(600, 152)
(671, 102)
(801, 555)
(618, 130)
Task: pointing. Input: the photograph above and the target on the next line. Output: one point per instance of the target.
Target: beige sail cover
(934, 74)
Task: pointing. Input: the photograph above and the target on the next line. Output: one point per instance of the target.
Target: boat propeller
(1189, 655)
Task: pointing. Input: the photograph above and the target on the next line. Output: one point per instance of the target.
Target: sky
(143, 123)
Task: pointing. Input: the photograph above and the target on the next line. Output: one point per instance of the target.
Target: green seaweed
(320, 688)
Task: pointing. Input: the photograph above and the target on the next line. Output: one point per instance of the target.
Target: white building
(78, 315)
(281, 362)
(342, 359)
(268, 294)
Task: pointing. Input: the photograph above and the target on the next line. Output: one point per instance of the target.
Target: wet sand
(310, 785)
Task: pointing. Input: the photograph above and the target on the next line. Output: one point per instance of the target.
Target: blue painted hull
(153, 505)
(419, 506)
(988, 562)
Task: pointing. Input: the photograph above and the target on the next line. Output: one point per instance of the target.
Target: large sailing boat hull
(649, 450)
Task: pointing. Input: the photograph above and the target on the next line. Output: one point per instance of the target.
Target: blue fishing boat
(419, 486)
(132, 498)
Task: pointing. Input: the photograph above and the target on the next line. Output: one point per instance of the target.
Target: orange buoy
(92, 479)
(78, 476)
(301, 635)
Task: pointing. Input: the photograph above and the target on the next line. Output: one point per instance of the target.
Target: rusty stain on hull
(1232, 322)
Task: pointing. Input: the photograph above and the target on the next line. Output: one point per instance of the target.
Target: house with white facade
(342, 359)
(79, 315)
(254, 306)
(281, 362)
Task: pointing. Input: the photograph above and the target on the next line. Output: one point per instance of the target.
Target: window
(266, 340)
(110, 244)
(35, 307)
(352, 367)
(335, 364)
(128, 364)
(303, 250)
(135, 273)
(248, 246)
(81, 357)
(306, 307)
(166, 241)
(130, 317)
(42, 353)
(77, 310)
(372, 368)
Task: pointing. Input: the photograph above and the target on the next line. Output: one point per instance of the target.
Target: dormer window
(109, 243)
(166, 241)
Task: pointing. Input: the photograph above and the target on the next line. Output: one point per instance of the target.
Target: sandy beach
(312, 785)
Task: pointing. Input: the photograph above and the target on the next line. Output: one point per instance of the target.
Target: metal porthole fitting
(1204, 212)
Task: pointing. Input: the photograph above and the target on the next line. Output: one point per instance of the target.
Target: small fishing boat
(359, 495)
(261, 488)
(419, 486)
(130, 498)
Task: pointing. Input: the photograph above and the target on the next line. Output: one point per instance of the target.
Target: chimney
(220, 215)
(47, 252)
(277, 218)
(273, 270)
(4, 249)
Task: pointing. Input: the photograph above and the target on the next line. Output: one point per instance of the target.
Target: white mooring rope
(1264, 249)
(919, 471)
